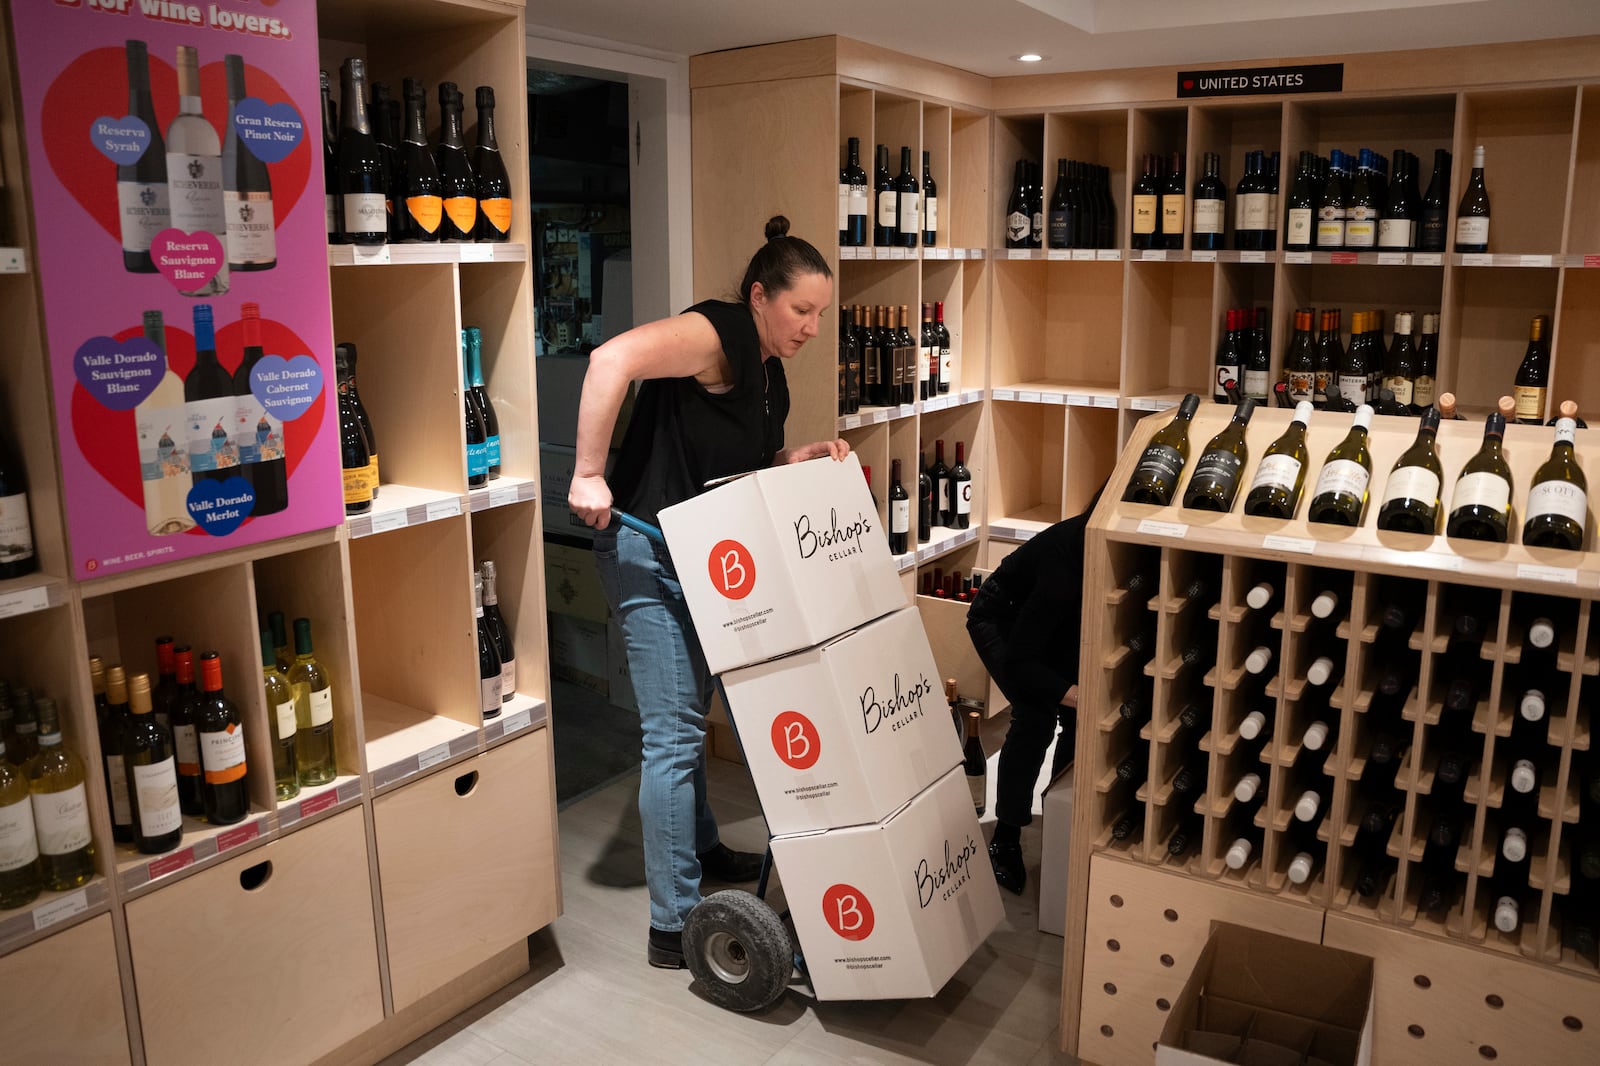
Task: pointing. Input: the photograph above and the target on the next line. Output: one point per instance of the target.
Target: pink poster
(176, 170)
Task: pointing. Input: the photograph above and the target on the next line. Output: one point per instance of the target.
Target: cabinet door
(271, 957)
(63, 999)
(467, 864)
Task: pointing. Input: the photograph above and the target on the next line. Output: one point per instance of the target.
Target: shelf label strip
(1289, 544)
(385, 521)
(1163, 529)
(1555, 574)
(24, 601)
(433, 756)
(59, 910)
(443, 509)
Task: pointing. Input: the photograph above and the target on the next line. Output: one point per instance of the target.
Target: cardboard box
(846, 733)
(1056, 825)
(782, 559)
(578, 651)
(572, 584)
(1261, 999)
(892, 910)
(556, 463)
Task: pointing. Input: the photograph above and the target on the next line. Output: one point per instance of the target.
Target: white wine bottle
(60, 806)
(313, 711)
(285, 724)
(152, 774)
(1341, 494)
(1215, 481)
(1163, 459)
(19, 842)
(1472, 216)
(194, 172)
(1480, 509)
(1281, 474)
(1411, 498)
(1558, 503)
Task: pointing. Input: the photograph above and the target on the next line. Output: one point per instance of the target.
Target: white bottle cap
(1253, 724)
(1239, 853)
(1477, 157)
(1532, 705)
(1303, 412)
(1363, 418)
(1258, 660)
(1506, 918)
(1300, 867)
(1325, 604)
(1310, 803)
(1320, 671)
(1514, 846)
(1260, 596)
(1316, 736)
(1524, 777)
(1541, 632)
(1246, 789)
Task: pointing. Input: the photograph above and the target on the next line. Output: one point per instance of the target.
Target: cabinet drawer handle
(253, 877)
(466, 783)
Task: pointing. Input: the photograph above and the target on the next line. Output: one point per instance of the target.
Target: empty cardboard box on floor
(1260, 999)
(782, 559)
(892, 910)
(846, 733)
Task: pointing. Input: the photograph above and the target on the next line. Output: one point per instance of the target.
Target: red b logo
(847, 912)
(733, 571)
(795, 740)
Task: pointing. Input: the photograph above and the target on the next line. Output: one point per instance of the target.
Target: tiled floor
(591, 999)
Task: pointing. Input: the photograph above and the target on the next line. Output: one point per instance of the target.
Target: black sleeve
(1043, 650)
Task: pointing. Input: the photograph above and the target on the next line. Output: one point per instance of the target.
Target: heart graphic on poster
(119, 374)
(270, 131)
(188, 260)
(82, 94)
(121, 140)
(220, 507)
(286, 387)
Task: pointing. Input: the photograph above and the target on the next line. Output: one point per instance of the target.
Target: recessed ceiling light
(1028, 57)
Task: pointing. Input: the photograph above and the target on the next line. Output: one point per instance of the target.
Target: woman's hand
(835, 449)
(590, 499)
(1071, 698)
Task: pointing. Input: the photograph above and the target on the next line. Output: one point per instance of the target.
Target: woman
(712, 402)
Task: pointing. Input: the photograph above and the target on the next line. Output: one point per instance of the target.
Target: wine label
(257, 435)
(283, 720)
(19, 843)
(321, 702)
(1298, 231)
(1037, 223)
(1530, 402)
(463, 212)
(1321, 382)
(222, 754)
(925, 358)
(844, 206)
(489, 694)
(1330, 228)
(909, 204)
(1472, 230)
(1219, 467)
(1413, 483)
(1278, 472)
(1422, 391)
(1144, 213)
(1226, 372)
(144, 209)
(365, 212)
(899, 516)
(194, 186)
(962, 490)
(209, 428)
(886, 206)
(858, 200)
(1208, 216)
(478, 459)
(62, 820)
(930, 215)
(186, 745)
(372, 474)
(1255, 384)
(1160, 463)
(493, 444)
(978, 785)
(426, 212)
(1360, 232)
(1353, 387)
(1401, 387)
(941, 493)
(944, 368)
(1018, 226)
(508, 679)
(1254, 212)
(1561, 498)
(1394, 232)
(330, 213)
(1172, 210)
(16, 531)
(1482, 489)
(1302, 385)
(156, 785)
(358, 485)
(497, 209)
(117, 783)
(1344, 477)
(251, 236)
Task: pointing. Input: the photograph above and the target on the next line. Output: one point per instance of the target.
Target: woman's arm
(836, 449)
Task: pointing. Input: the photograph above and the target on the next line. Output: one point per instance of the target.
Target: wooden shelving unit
(340, 908)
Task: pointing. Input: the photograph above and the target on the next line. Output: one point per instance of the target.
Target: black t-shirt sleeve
(1044, 646)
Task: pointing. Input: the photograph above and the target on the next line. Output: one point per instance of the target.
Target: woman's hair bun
(777, 226)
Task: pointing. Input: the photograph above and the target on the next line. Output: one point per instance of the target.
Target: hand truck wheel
(737, 947)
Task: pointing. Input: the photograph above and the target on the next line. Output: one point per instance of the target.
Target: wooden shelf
(399, 506)
(340, 255)
(203, 845)
(849, 253)
(50, 913)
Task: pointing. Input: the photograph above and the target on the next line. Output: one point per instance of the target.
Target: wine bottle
(1258, 355)
(1480, 508)
(1281, 474)
(142, 195)
(1215, 480)
(975, 763)
(500, 633)
(281, 711)
(220, 733)
(1361, 210)
(490, 683)
(420, 205)
(960, 491)
(1341, 493)
(112, 730)
(1352, 369)
(1272, 183)
(899, 512)
(258, 434)
(364, 420)
(1533, 375)
(1260, 595)
(1397, 223)
(1400, 373)
(281, 655)
(459, 185)
(908, 200)
(381, 115)
(1558, 502)
(1331, 207)
(494, 184)
(849, 364)
(194, 175)
(927, 356)
(1411, 498)
(473, 341)
(924, 500)
(1300, 208)
(1146, 206)
(1019, 218)
(24, 739)
(1300, 361)
(853, 200)
(152, 774)
(1173, 206)
(1472, 216)
(185, 738)
(1229, 361)
(884, 221)
(1036, 206)
(246, 188)
(1435, 206)
(163, 462)
(19, 841)
(1061, 221)
(1163, 459)
(943, 513)
(313, 711)
(359, 164)
(908, 355)
(60, 806)
(946, 358)
(332, 202)
(1210, 206)
(354, 457)
(209, 408)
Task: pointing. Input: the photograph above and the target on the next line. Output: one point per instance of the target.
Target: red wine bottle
(246, 188)
(354, 457)
(185, 741)
(220, 731)
(258, 435)
(943, 514)
(899, 512)
(960, 490)
(142, 197)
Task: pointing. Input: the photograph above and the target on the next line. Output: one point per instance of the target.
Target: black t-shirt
(682, 436)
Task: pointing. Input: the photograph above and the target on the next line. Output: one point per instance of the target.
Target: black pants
(1032, 727)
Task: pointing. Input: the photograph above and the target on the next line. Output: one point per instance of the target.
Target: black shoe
(665, 950)
(1009, 873)
(731, 867)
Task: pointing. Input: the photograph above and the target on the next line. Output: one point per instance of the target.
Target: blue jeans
(673, 687)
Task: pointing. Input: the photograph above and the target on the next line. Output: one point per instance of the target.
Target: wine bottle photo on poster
(182, 256)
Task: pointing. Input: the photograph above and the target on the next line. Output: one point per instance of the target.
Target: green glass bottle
(280, 709)
(1281, 474)
(1480, 509)
(1215, 481)
(1163, 459)
(313, 710)
(19, 842)
(1341, 494)
(1411, 498)
(1558, 503)
(60, 806)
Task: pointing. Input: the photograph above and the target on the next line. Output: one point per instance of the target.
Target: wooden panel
(1583, 225)
(1531, 132)
(509, 536)
(496, 298)
(1576, 363)
(297, 952)
(1083, 323)
(64, 999)
(968, 323)
(1027, 492)
(1168, 328)
(488, 823)
(809, 58)
(866, 62)
(1016, 343)
(946, 624)
(1091, 453)
(969, 183)
(1495, 308)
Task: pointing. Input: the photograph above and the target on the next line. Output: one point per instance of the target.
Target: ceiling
(984, 36)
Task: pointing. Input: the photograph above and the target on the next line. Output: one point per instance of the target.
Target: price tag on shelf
(317, 804)
(516, 722)
(384, 521)
(444, 508)
(1209, 255)
(1557, 575)
(1344, 258)
(1297, 257)
(1018, 253)
(1427, 259)
(170, 863)
(1477, 259)
(850, 421)
(1004, 394)
(24, 601)
(369, 255)
(1591, 261)
(958, 253)
(1163, 529)
(59, 910)
(846, 253)
(1083, 255)
(1104, 401)
(13, 261)
(1151, 403)
(1261, 257)
(1156, 255)
(1079, 399)
(1108, 255)
(476, 253)
(1536, 260)
(433, 756)
(1058, 254)
(1393, 259)
(1303, 545)
(499, 497)
(1028, 396)
(239, 835)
